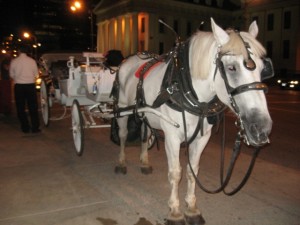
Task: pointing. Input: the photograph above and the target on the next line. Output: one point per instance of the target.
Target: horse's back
(129, 80)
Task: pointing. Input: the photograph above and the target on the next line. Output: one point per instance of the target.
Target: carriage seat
(59, 70)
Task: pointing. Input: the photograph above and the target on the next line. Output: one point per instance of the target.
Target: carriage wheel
(45, 106)
(77, 128)
(151, 140)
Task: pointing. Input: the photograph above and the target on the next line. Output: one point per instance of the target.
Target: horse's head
(241, 66)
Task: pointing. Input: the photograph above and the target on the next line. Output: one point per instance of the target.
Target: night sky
(65, 29)
(47, 19)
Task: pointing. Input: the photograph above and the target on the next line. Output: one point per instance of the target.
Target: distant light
(73, 8)
(26, 35)
(77, 4)
(4, 51)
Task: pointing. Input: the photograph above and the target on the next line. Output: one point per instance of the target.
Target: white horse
(227, 64)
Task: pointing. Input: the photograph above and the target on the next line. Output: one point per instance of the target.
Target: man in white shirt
(23, 70)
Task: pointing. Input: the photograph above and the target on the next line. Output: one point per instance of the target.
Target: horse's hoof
(121, 169)
(194, 220)
(175, 222)
(146, 170)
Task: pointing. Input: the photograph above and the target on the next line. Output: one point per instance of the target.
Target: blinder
(249, 64)
(268, 70)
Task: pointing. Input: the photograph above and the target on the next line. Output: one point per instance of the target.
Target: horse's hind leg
(145, 167)
(123, 132)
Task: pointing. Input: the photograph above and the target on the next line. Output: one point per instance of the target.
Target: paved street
(43, 182)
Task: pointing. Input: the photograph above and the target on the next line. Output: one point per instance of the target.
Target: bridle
(250, 65)
(266, 73)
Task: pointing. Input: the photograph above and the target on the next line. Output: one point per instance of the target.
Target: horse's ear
(220, 35)
(253, 29)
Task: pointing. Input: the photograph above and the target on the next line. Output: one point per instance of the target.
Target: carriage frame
(83, 85)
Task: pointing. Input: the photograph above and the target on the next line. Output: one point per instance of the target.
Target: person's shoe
(36, 131)
(25, 130)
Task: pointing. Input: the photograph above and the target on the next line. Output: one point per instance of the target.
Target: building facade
(133, 25)
(279, 23)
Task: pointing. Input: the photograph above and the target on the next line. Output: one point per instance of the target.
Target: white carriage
(82, 82)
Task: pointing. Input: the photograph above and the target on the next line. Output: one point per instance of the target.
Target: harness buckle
(170, 90)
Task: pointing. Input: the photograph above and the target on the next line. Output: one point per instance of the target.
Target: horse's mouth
(255, 136)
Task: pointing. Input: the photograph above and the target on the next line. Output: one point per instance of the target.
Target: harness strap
(141, 73)
(162, 98)
(249, 87)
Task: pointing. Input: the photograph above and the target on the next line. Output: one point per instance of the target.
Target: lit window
(143, 25)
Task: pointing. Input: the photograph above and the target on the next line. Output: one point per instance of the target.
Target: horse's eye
(231, 68)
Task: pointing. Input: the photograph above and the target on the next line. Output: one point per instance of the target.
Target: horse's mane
(203, 44)
(201, 53)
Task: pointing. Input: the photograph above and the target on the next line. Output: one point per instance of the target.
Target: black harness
(177, 82)
(177, 90)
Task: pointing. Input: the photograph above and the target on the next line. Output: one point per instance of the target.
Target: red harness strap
(145, 69)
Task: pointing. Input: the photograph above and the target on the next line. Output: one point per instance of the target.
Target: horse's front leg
(172, 146)
(123, 132)
(146, 168)
(192, 214)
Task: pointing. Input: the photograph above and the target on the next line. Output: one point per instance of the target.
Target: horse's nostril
(257, 133)
(263, 137)
(253, 129)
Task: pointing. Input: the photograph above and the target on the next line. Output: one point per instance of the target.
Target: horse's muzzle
(257, 128)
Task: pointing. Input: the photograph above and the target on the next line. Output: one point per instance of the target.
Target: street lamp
(35, 44)
(77, 6)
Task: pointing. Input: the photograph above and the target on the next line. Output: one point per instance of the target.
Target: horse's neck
(204, 89)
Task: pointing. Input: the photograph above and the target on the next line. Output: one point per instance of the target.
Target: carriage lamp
(38, 82)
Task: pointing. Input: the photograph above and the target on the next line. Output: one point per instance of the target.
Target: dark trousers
(25, 95)
(5, 97)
